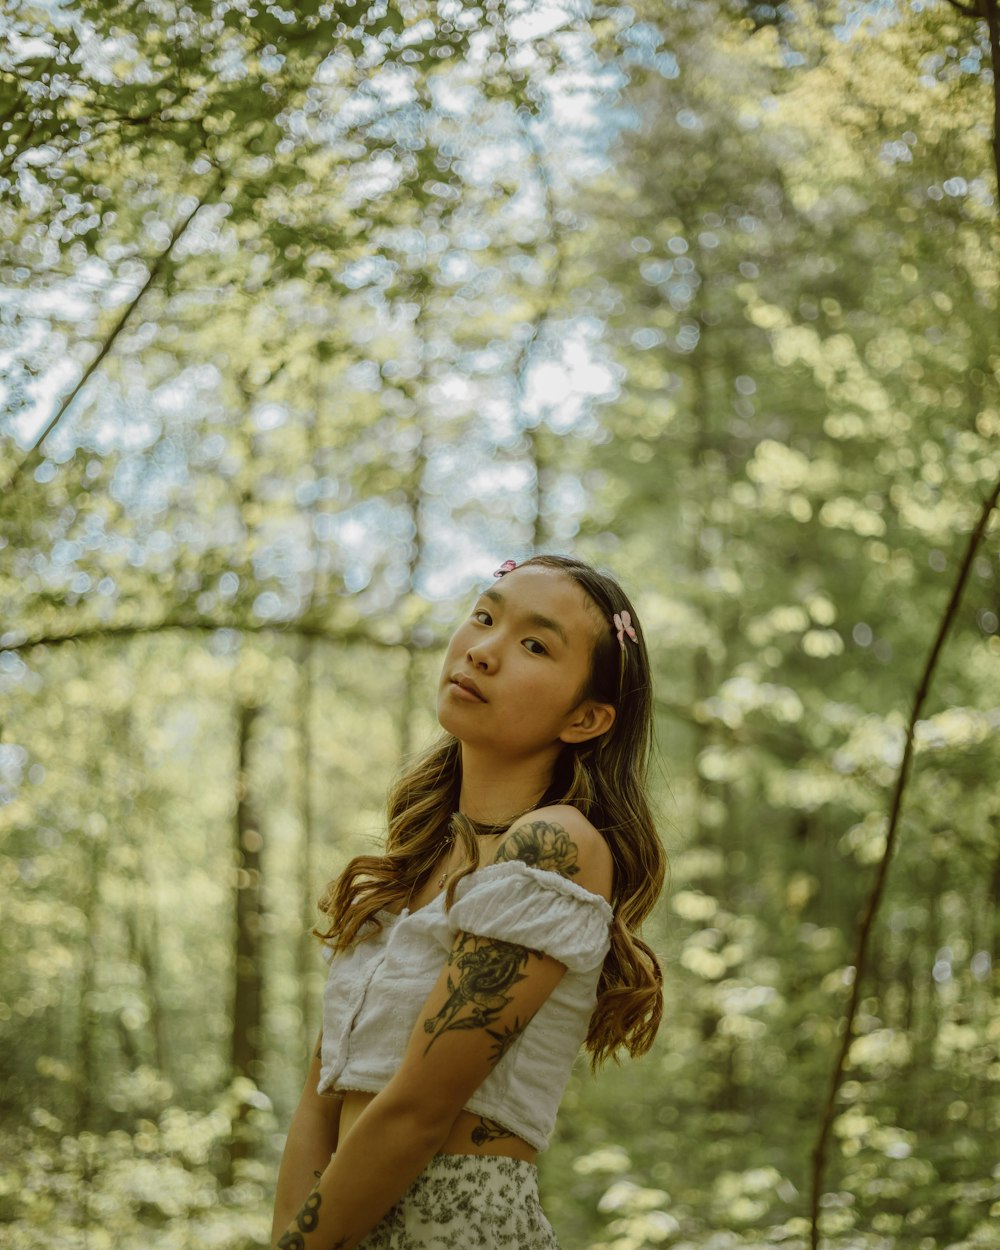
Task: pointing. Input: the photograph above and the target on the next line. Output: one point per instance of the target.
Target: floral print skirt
(467, 1202)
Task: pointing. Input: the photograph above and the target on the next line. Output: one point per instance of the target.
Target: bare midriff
(471, 1134)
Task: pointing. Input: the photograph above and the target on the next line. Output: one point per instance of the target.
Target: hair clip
(623, 623)
(508, 566)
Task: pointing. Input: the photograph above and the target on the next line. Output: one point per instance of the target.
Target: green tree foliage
(310, 316)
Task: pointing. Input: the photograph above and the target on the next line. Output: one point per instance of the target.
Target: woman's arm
(485, 996)
(312, 1139)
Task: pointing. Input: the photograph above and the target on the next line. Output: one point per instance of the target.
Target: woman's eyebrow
(533, 618)
(545, 622)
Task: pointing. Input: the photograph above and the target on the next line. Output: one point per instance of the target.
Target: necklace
(484, 831)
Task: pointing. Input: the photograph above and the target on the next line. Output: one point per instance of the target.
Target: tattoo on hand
(541, 844)
(485, 969)
(291, 1241)
(489, 1130)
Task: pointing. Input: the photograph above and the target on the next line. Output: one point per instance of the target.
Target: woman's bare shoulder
(559, 838)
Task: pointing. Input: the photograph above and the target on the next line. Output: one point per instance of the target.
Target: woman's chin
(447, 719)
(452, 721)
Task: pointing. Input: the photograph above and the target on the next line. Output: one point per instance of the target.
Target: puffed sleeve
(541, 910)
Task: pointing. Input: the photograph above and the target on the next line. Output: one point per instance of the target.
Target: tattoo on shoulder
(481, 971)
(489, 1130)
(541, 844)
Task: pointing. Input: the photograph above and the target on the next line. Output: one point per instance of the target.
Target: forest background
(311, 316)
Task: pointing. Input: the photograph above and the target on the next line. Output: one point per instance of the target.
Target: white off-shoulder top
(375, 991)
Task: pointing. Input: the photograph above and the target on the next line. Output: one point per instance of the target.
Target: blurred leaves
(708, 293)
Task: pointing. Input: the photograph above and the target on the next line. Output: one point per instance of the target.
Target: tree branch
(295, 629)
(542, 316)
(990, 11)
(34, 454)
(875, 897)
(965, 9)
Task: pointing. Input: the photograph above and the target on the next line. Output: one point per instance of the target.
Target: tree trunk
(414, 501)
(702, 675)
(87, 1044)
(306, 950)
(245, 1059)
(143, 952)
(995, 912)
(247, 970)
(538, 446)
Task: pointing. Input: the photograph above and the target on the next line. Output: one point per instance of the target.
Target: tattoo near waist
(470, 1134)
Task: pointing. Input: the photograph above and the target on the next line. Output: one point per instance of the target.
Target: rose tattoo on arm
(481, 971)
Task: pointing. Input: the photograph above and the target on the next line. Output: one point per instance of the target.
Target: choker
(482, 830)
(485, 830)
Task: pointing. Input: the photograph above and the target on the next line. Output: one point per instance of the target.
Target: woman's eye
(535, 647)
(481, 612)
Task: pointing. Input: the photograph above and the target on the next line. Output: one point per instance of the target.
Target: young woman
(495, 935)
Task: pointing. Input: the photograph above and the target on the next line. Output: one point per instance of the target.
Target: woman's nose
(482, 656)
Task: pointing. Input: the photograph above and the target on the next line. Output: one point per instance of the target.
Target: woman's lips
(465, 688)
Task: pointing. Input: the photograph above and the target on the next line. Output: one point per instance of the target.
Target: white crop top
(375, 990)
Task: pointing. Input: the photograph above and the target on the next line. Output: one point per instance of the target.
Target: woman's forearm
(384, 1152)
(312, 1139)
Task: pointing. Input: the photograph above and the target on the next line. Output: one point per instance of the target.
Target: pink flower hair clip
(623, 623)
(508, 566)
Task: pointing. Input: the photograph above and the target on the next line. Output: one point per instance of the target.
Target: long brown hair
(604, 778)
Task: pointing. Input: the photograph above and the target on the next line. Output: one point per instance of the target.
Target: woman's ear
(589, 720)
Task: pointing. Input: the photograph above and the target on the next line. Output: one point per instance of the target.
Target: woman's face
(516, 668)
